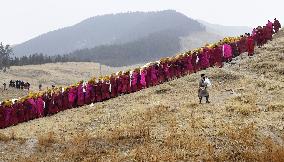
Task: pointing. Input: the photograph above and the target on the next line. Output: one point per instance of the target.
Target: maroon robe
(14, 115)
(166, 71)
(21, 111)
(250, 46)
(90, 94)
(7, 116)
(72, 96)
(65, 101)
(105, 91)
(59, 101)
(119, 84)
(81, 96)
(114, 86)
(52, 106)
(148, 77)
(134, 81)
(2, 117)
(98, 91)
(40, 107)
(194, 62)
(218, 56)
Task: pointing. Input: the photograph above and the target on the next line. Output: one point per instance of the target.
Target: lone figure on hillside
(4, 86)
(202, 91)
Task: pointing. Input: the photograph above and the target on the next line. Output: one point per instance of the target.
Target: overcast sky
(24, 19)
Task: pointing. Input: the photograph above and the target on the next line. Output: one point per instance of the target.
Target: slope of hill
(59, 74)
(108, 29)
(225, 31)
(243, 122)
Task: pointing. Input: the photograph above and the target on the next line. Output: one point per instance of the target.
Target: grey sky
(24, 19)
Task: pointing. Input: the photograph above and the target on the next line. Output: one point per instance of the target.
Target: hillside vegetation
(243, 122)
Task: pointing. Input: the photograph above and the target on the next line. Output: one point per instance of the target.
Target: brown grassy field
(59, 74)
(243, 122)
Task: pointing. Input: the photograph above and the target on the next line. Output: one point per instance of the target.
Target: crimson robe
(40, 107)
(195, 63)
(114, 87)
(72, 96)
(218, 56)
(134, 80)
(154, 78)
(81, 96)
(105, 91)
(14, 115)
(98, 90)
(90, 94)
(2, 117)
(119, 84)
(21, 112)
(52, 106)
(65, 101)
(250, 46)
(166, 71)
(148, 77)
(7, 116)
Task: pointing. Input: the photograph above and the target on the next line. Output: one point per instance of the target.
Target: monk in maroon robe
(161, 74)
(14, 115)
(40, 107)
(166, 70)
(119, 83)
(58, 99)
(52, 106)
(8, 115)
(72, 96)
(80, 94)
(190, 68)
(172, 68)
(250, 46)
(134, 80)
(276, 25)
(2, 117)
(20, 111)
(114, 85)
(105, 90)
(154, 78)
(148, 77)
(218, 55)
(195, 62)
(65, 100)
(90, 93)
(98, 91)
(127, 81)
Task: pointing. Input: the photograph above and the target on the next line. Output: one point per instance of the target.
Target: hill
(243, 122)
(107, 30)
(224, 31)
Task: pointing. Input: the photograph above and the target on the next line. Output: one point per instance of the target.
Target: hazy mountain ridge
(225, 31)
(107, 29)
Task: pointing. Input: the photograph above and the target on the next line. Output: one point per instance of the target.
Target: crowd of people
(52, 101)
(19, 84)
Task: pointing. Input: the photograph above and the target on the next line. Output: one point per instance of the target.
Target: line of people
(19, 84)
(52, 101)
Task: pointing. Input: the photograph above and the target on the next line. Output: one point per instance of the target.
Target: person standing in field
(4, 86)
(202, 91)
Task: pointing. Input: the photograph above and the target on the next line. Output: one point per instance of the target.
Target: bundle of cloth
(52, 101)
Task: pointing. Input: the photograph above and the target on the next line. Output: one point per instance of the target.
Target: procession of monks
(52, 101)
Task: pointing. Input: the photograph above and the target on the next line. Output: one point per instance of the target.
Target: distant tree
(5, 56)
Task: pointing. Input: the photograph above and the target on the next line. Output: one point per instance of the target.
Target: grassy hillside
(243, 122)
(59, 74)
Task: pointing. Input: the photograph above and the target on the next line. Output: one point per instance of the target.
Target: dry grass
(244, 121)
